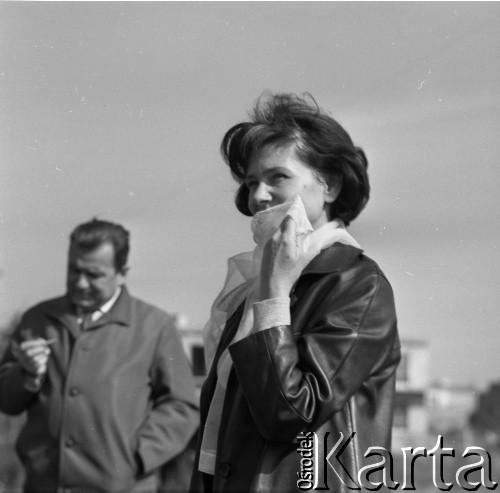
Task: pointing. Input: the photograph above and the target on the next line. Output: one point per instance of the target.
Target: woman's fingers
(288, 230)
(285, 237)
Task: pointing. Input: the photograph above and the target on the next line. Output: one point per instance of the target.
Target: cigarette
(50, 341)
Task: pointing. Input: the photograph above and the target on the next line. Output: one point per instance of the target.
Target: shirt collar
(118, 310)
(107, 306)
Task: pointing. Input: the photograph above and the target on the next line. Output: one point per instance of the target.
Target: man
(103, 377)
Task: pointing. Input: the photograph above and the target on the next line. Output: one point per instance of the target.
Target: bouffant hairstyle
(320, 142)
(94, 233)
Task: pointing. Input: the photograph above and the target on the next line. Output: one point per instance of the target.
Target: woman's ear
(333, 186)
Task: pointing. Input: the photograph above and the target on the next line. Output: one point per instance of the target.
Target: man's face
(92, 278)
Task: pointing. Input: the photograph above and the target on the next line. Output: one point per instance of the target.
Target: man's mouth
(81, 296)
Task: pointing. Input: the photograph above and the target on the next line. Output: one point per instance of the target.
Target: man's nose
(81, 282)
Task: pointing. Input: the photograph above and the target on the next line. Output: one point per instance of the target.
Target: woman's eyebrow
(270, 170)
(276, 169)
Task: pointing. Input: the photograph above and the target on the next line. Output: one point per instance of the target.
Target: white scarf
(242, 283)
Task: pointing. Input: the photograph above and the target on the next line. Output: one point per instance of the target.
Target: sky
(117, 110)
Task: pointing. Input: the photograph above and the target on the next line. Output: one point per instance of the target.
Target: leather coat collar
(332, 259)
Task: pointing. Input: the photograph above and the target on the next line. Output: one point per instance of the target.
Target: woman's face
(275, 175)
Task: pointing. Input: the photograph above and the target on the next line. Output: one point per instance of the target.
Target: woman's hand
(285, 257)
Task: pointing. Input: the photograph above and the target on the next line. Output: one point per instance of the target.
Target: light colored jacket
(117, 402)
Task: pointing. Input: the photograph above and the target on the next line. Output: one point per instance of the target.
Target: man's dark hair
(92, 234)
(319, 140)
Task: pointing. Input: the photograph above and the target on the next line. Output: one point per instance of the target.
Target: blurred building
(411, 413)
(425, 409)
(450, 407)
(485, 418)
(192, 342)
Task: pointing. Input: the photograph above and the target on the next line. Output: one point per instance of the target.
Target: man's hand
(32, 355)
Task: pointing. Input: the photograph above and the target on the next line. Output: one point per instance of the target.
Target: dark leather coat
(332, 370)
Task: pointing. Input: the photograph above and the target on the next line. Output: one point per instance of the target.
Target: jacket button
(225, 469)
(74, 391)
(69, 442)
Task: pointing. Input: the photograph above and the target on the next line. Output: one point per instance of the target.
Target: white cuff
(271, 313)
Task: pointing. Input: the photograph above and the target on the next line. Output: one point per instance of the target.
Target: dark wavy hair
(319, 140)
(92, 234)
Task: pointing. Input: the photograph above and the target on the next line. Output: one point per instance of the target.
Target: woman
(303, 337)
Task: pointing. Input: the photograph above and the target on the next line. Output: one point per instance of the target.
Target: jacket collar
(331, 259)
(120, 313)
(335, 258)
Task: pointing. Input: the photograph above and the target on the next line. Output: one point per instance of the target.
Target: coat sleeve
(174, 417)
(296, 383)
(14, 398)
